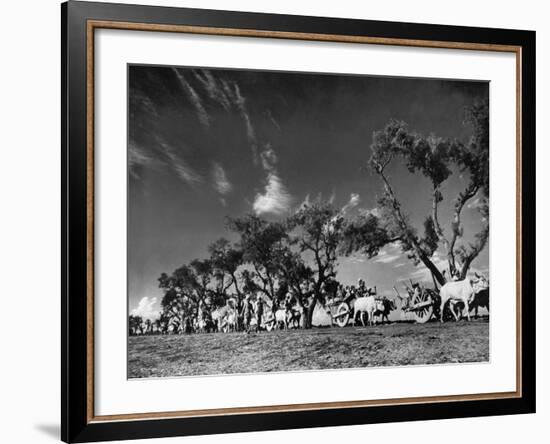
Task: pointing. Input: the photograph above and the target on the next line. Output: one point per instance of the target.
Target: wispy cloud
(229, 95)
(162, 156)
(140, 100)
(187, 174)
(203, 116)
(213, 88)
(323, 198)
(356, 259)
(275, 199)
(233, 92)
(390, 253)
(483, 271)
(146, 308)
(139, 157)
(273, 120)
(220, 181)
(182, 169)
(478, 202)
(269, 158)
(354, 200)
(423, 274)
(387, 258)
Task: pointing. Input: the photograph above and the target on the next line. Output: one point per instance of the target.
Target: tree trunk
(308, 313)
(401, 221)
(434, 270)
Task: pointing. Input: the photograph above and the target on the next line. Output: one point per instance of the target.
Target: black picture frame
(77, 425)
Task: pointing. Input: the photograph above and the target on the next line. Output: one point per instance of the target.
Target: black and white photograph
(274, 221)
(289, 221)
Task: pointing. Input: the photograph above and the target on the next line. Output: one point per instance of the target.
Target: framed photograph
(276, 221)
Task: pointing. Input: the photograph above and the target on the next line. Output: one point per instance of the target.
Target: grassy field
(322, 348)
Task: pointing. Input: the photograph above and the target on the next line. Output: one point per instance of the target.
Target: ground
(321, 348)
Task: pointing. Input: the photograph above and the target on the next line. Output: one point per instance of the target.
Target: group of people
(253, 311)
(354, 291)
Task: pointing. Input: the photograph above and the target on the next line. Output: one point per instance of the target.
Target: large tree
(295, 276)
(318, 231)
(437, 159)
(185, 288)
(226, 259)
(262, 243)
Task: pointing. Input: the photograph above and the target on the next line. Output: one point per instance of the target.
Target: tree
(135, 325)
(436, 159)
(365, 234)
(225, 260)
(318, 231)
(295, 275)
(262, 243)
(202, 274)
(185, 288)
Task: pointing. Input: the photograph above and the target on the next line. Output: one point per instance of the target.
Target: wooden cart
(424, 305)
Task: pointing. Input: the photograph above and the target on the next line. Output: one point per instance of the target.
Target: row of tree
(299, 254)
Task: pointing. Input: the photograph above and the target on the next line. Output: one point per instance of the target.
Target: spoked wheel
(424, 314)
(342, 315)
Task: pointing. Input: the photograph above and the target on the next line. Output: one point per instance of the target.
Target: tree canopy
(436, 159)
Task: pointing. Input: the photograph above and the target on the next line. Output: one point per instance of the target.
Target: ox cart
(422, 302)
(341, 309)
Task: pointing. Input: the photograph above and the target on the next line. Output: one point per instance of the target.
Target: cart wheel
(423, 315)
(342, 315)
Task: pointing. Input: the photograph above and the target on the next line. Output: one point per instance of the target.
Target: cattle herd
(345, 305)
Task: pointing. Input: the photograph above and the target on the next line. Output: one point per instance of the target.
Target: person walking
(259, 312)
(247, 313)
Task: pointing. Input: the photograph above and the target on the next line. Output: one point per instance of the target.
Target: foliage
(135, 325)
(364, 234)
(436, 159)
(225, 260)
(262, 244)
(318, 230)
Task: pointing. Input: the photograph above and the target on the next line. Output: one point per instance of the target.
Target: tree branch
(409, 238)
(475, 249)
(461, 200)
(436, 198)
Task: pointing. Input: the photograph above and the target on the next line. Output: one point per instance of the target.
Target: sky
(204, 144)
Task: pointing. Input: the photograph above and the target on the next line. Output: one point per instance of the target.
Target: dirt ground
(320, 348)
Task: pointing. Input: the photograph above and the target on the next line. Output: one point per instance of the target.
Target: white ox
(368, 305)
(281, 319)
(462, 291)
